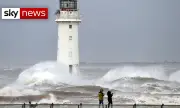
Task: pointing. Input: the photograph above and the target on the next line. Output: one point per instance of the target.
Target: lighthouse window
(70, 54)
(70, 37)
(70, 26)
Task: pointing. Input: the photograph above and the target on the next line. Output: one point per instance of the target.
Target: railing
(85, 106)
(75, 15)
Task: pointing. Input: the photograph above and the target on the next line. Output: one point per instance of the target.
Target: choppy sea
(47, 82)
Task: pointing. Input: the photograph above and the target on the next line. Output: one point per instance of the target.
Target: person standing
(101, 98)
(110, 95)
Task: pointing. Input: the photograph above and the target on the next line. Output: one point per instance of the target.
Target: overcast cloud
(111, 31)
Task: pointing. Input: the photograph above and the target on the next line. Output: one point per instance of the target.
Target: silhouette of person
(110, 95)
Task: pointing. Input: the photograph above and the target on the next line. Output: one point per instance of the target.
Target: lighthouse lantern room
(68, 5)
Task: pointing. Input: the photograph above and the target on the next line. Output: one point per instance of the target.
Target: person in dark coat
(110, 95)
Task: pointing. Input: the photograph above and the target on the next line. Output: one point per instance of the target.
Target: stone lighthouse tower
(68, 20)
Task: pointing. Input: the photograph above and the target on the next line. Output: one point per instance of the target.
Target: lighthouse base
(74, 69)
(70, 68)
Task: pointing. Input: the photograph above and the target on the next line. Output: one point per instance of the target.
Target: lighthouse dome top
(68, 5)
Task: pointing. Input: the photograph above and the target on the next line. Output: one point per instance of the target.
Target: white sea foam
(51, 73)
(54, 74)
(156, 72)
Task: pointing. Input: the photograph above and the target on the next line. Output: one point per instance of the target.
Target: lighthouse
(68, 20)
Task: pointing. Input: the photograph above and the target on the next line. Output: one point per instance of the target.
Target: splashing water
(131, 71)
(52, 73)
(49, 73)
(132, 79)
(175, 76)
(50, 99)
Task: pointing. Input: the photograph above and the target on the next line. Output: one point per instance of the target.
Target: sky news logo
(24, 13)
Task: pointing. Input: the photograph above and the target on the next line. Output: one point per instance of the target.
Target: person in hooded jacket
(101, 97)
(110, 95)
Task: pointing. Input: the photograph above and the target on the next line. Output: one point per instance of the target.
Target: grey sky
(111, 30)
